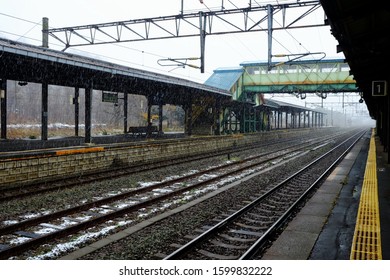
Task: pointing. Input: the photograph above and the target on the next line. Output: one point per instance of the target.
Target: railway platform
(348, 217)
(20, 145)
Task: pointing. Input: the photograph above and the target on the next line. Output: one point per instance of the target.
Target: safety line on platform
(366, 243)
(79, 151)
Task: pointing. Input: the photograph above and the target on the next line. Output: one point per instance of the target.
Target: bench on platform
(141, 130)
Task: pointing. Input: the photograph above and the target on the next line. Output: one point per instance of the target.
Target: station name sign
(110, 97)
(379, 88)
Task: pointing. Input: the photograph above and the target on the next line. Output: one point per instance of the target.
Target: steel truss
(201, 23)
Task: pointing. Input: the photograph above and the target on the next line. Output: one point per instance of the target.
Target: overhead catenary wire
(28, 31)
(35, 24)
(38, 23)
(273, 38)
(18, 18)
(276, 40)
(288, 32)
(244, 45)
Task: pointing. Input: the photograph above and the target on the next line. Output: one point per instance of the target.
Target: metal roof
(295, 62)
(224, 78)
(30, 63)
(284, 105)
(362, 30)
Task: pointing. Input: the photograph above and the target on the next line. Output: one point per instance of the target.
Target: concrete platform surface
(324, 228)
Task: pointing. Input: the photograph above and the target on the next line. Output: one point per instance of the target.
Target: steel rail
(256, 247)
(16, 192)
(17, 249)
(215, 229)
(124, 195)
(19, 191)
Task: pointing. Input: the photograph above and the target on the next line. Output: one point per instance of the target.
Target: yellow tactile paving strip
(366, 244)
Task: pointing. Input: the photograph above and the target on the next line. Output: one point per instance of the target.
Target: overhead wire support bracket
(295, 56)
(138, 32)
(178, 62)
(184, 25)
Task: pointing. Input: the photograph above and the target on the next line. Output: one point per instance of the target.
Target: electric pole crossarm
(136, 33)
(257, 24)
(170, 34)
(235, 27)
(90, 41)
(311, 10)
(107, 34)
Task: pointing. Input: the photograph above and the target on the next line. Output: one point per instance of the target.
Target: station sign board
(111, 97)
(379, 88)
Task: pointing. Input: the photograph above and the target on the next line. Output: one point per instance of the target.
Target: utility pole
(45, 33)
(270, 29)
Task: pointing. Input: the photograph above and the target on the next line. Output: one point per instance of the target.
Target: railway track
(134, 201)
(243, 234)
(23, 191)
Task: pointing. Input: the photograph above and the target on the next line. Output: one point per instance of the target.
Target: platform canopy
(23, 62)
(288, 107)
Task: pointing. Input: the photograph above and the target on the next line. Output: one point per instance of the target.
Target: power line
(18, 18)
(28, 31)
(284, 30)
(35, 24)
(245, 46)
